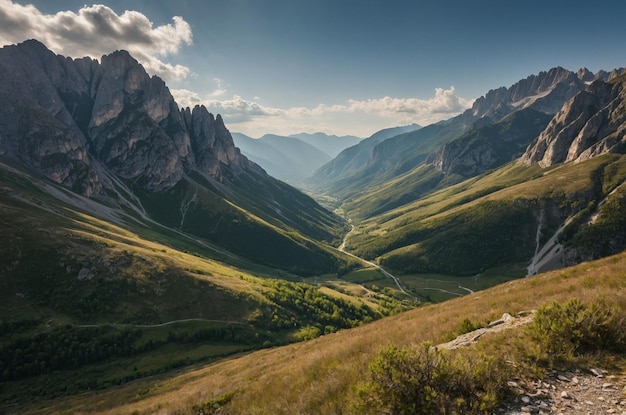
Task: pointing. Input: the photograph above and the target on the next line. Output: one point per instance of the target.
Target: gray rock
(85, 274)
(590, 124)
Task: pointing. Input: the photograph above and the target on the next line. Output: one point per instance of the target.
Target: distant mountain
(109, 132)
(286, 158)
(329, 144)
(353, 158)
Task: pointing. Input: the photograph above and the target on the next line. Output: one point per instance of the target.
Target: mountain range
(445, 191)
(138, 237)
(540, 95)
(292, 158)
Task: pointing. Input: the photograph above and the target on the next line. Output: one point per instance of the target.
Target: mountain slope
(502, 219)
(87, 302)
(321, 376)
(110, 132)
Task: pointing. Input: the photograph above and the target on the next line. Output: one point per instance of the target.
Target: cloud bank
(97, 30)
(357, 117)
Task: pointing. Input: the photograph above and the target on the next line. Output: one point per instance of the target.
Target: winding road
(396, 280)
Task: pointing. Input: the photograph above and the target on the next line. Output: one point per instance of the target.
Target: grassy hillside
(498, 218)
(265, 221)
(87, 302)
(322, 376)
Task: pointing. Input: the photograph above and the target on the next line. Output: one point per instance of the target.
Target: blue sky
(337, 66)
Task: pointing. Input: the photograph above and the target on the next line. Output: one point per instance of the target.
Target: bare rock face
(130, 125)
(492, 145)
(60, 116)
(37, 129)
(590, 124)
(546, 92)
(212, 145)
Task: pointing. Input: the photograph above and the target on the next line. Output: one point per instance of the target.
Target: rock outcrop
(591, 123)
(61, 117)
(490, 146)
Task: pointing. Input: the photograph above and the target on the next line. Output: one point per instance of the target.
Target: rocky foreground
(594, 392)
(591, 392)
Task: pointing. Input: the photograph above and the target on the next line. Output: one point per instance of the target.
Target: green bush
(425, 380)
(564, 332)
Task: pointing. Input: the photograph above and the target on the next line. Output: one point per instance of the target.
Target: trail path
(167, 323)
(389, 275)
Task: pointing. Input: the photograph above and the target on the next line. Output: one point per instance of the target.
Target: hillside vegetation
(88, 302)
(322, 376)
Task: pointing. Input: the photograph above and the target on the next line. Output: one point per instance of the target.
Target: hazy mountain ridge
(287, 158)
(353, 158)
(329, 144)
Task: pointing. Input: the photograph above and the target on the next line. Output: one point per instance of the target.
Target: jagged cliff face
(490, 146)
(527, 107)
(545, 92)
(62, 117)
(591, 123)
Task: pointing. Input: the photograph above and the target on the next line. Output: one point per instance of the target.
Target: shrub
(424, 380)
(563, 332)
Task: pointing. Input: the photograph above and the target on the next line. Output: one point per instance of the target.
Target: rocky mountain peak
(545, 92)
(63, 115)
(213, 147)
(591, 123)
(585, 75)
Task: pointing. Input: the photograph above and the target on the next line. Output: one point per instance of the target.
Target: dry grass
(319, 376)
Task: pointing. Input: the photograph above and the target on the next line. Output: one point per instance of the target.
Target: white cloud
(358, 117)
(97, 30)
(220, 89)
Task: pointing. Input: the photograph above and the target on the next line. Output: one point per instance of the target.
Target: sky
(344, 67)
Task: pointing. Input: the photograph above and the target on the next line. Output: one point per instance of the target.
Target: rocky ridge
(532, 99)
(591, 123)
(63, 117)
